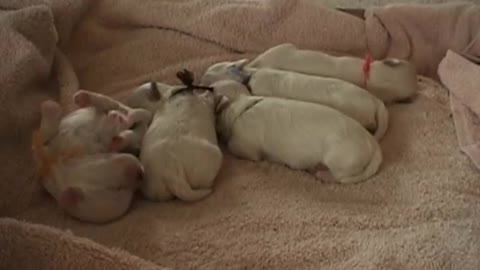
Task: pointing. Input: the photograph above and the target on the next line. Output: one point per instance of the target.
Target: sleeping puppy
(180, 153)
(301, 135)
(390, 80)
(348, 98)
(77, 161)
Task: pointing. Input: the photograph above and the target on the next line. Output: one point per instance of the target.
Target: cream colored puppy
(389, 80)
(301, 135)
(348, 98)
(180, 153)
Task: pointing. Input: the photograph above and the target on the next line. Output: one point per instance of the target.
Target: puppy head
(224, 71)
(230, 88)
(148, 96)
(97, 188)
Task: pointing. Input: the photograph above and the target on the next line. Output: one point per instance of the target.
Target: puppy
(180, 153)
(390, 80)
(348, 98)
(301, 135)
(77, 161)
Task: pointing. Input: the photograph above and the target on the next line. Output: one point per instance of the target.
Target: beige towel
(420, 212)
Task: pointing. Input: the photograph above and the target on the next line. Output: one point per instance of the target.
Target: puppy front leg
(103, 103)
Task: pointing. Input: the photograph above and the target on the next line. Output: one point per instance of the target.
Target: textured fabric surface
(421, 211)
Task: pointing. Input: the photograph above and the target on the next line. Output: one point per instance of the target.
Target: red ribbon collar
(366, 65)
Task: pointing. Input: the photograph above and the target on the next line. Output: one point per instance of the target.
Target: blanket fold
(462, 78)
(26, 245)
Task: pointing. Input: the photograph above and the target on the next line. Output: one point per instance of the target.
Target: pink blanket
(420, 212)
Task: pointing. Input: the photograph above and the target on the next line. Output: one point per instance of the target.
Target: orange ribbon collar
(48, 162)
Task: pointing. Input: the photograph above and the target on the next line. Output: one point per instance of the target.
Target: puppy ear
(392, 62)
(241, 63)
(154, 93)
(221, 103)
(51, 114)
(70, 197)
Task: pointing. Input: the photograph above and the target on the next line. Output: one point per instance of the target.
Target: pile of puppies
(304, 109)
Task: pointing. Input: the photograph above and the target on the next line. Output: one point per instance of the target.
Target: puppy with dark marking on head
(78, 159)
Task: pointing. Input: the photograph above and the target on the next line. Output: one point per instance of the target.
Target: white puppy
(77, 160)
(302, 135)
(180, 153)
(389, 80)
(348, 98)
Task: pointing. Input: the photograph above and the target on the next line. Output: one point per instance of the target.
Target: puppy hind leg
(370, 169)
(322, 173)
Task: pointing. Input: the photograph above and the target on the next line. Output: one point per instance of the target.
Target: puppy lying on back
(347, 98)
(180, 153)
(77, 160)
(301, 135)
(390, 80)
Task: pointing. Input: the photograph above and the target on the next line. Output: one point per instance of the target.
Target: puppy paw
(117, 118)
(82, 99)
(322, 173)
(324, 176)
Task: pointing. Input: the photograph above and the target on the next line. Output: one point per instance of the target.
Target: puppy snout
(140, 175)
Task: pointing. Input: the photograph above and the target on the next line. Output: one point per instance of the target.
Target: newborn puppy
(391, 80)
(180, 153)
(347, 98)
(301, 135)
(76, 160)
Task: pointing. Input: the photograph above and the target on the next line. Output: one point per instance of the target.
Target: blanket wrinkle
(420, 211)
(461, 77)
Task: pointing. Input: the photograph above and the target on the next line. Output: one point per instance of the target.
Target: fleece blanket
(422, 210)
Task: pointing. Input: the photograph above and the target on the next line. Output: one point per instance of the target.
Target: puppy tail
(381, 118)
(369, 170)
(181, 188)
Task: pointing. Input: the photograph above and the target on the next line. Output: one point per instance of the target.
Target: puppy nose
(140, 175)
(134, 175)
